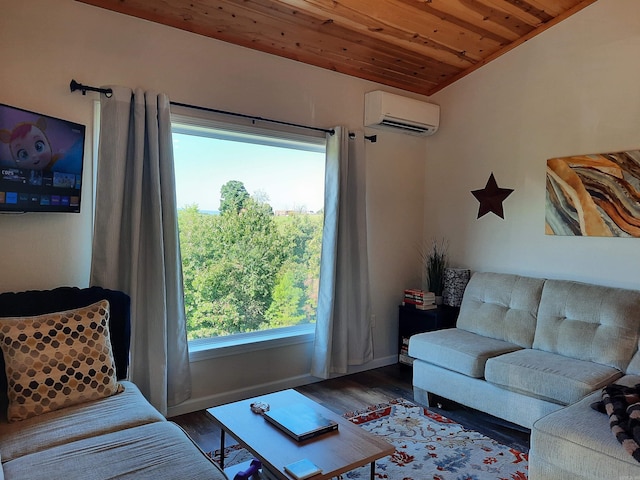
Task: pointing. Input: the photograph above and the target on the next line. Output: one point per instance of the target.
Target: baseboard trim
(201, 403)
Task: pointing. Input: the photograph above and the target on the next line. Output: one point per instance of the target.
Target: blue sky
(291, 178)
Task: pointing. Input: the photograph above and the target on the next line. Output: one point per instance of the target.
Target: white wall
(571, 90)
(46, 43)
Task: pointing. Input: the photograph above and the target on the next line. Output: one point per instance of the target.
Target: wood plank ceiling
(420, 46)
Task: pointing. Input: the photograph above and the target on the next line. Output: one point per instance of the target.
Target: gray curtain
(343, 326)
(135, 243)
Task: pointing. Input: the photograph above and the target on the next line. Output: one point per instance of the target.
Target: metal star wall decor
(491, 198)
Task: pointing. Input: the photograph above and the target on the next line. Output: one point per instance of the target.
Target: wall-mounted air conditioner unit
(401, 114)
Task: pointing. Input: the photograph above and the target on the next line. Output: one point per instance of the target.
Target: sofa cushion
(126, 410)
(588, 322)
(578, 439)
(157, 451)
(37, 302)
(501, 306)
(57, 359)
(458, 350)
(548, 376)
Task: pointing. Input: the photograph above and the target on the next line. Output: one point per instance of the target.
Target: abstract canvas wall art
(594, 195)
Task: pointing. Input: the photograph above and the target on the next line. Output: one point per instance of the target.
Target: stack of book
(404, 352)
(419, 299)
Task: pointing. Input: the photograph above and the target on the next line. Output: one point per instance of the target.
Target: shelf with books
(413, 320)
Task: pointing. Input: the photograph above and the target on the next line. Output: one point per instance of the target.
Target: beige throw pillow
(57, 360)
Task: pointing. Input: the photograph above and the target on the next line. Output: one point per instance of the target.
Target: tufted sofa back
(501, 306)
(588, 322)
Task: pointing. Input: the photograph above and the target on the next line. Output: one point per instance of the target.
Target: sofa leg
(422, 397)
(427, 399)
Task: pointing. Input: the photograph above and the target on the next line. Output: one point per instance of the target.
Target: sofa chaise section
(125, 410)
(576, 443)
(63, 345)
(156, 451)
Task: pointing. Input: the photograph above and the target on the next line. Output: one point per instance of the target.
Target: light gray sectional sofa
(121, 436)
(537, 353)
(57, 430)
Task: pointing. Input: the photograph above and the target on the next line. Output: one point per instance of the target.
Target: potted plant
(435, 262)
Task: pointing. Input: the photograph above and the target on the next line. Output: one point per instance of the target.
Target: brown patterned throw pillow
(57, 360)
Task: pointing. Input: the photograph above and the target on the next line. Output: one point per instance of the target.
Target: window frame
(185, 121)
(216, 347)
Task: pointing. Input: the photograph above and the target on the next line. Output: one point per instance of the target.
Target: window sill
(205, 349)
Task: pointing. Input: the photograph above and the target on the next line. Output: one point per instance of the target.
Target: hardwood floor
(358, 391)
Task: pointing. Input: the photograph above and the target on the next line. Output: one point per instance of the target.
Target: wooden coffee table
(335, 452)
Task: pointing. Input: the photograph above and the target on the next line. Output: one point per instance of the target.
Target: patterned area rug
(428, 447)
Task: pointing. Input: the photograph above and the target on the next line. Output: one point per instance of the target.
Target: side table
(412, 320)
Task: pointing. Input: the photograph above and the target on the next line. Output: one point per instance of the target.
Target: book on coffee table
(300, 422)
(302, 469)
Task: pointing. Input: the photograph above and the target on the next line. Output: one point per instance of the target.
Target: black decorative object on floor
(491, 198)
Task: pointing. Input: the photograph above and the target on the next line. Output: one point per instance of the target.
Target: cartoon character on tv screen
(31, 149)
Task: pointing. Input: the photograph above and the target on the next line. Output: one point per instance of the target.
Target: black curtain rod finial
(75, 86)
(371, 138)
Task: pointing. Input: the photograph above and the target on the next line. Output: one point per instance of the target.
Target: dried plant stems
(435, 262)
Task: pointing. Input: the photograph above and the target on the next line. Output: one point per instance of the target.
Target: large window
(250, 214)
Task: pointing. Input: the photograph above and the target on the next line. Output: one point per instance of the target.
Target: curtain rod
(74, 86)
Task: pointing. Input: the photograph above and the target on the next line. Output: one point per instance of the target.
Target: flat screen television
(41, 161)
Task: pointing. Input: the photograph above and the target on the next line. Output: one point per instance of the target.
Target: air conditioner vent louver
(404, 126)
(401, 114)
